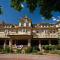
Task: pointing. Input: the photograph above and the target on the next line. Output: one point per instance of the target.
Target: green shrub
(1, 47)
(0, 50)
(58, 47)
(45, 47)
(31, 50)
(7, 50)
(40, 53)
(35, 49)
(55, 52)
(49, 47)
(28, 50)
(18, 51)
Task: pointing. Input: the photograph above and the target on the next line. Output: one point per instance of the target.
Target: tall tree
(46, 6)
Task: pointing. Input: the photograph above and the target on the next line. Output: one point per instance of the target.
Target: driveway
(28, 57)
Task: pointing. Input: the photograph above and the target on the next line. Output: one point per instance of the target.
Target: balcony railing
(3, 35)
(19, 33)
(35, 35)
(45, 36)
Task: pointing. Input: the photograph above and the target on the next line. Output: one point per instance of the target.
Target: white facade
(37, 31)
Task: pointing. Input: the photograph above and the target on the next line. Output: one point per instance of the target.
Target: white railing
(19, 33)
(45, 36)
(3, 35)
(36, 35)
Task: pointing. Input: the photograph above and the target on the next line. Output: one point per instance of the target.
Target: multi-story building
(28, 34)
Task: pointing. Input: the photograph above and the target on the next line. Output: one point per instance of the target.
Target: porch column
(40, 45)
(4, 45)
(10, 43)
(29, 42)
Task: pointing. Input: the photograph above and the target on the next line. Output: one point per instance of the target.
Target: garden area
(51, 49)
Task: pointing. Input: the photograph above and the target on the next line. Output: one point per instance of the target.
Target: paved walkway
(28, 57)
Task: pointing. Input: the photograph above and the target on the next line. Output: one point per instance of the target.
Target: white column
(19, 24)
(29, 24)
(4, 44)
(40, 45)
(29, 42)
(10, 43)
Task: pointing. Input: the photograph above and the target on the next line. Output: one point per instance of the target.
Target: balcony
(19, 33)
(45, 36)
(3, 35)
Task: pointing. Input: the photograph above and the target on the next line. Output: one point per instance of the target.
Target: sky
(11, 16)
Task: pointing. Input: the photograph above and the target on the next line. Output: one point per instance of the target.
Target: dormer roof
(25, 18)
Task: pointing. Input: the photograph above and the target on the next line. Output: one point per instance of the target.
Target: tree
(46, 6)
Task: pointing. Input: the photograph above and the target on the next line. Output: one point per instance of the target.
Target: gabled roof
(24, 19)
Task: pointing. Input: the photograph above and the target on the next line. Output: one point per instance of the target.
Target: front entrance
(21, 42)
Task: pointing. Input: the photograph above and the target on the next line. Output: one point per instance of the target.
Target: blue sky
(10, 15)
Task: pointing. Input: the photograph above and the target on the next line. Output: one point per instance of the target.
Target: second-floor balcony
(19, 33)
(35, 35)
(45, 36)
(3, 35)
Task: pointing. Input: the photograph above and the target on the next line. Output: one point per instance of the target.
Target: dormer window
(41, 26)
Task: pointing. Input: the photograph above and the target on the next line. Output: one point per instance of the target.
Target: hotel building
(27, 34)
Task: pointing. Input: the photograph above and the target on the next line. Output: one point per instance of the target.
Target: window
(27, 30)
(50, 31)
(23, 30)
(37, 31)
(46, 31)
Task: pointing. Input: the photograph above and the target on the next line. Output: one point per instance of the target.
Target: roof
(24, 19)
(43, 24)
(58, 22)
